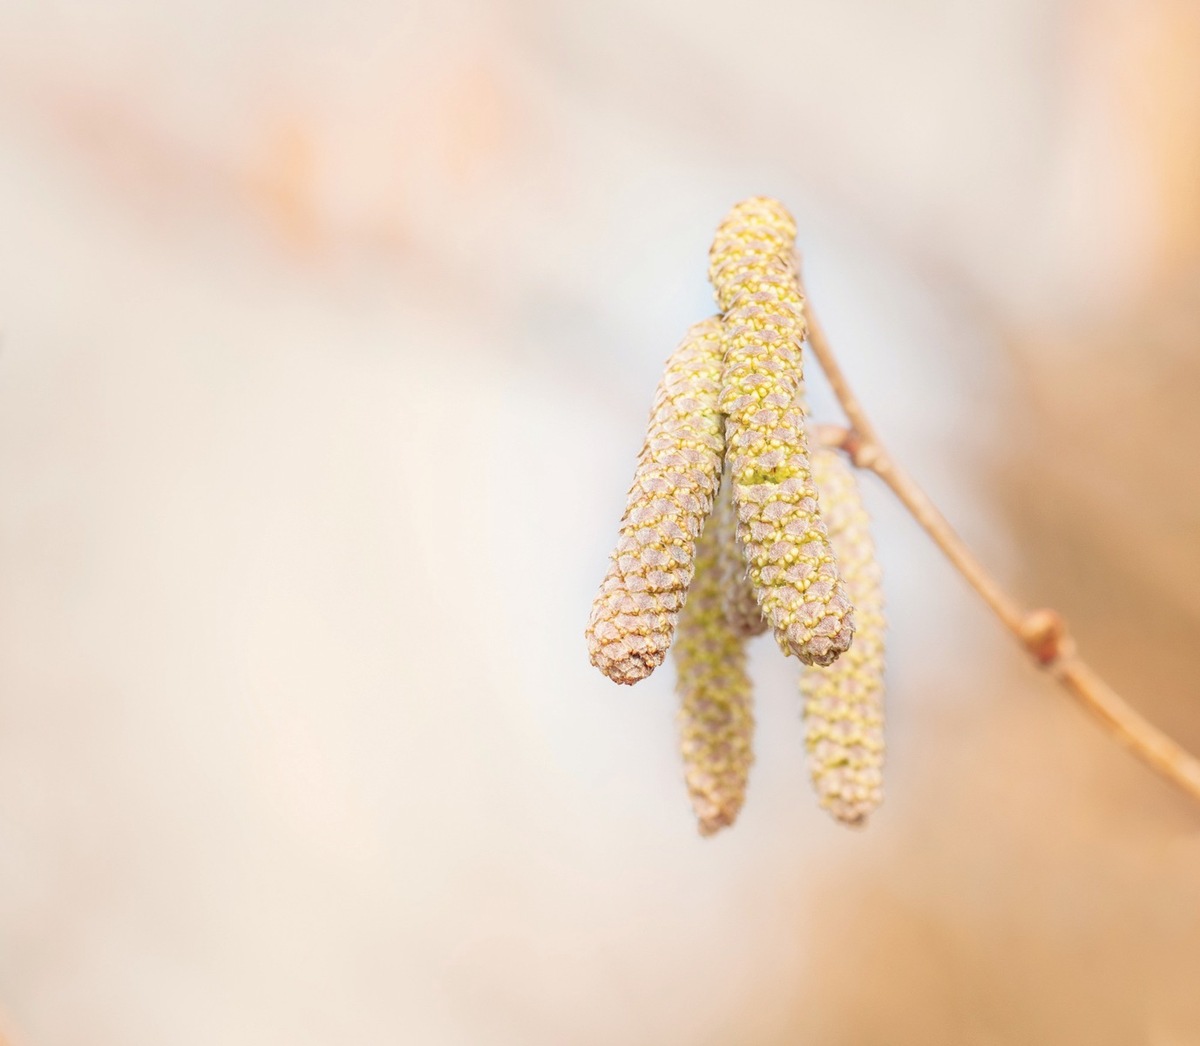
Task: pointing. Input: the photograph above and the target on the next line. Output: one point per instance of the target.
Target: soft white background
(328, 330)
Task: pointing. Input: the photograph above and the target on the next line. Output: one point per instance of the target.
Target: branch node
(1045, 635)
(864, 454)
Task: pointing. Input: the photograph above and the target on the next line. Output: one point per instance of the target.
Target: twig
(1042, 632)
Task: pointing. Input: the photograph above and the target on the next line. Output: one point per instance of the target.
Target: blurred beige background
(326, 334)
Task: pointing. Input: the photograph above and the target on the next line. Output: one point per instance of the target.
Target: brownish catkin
(792, 567)
(716, 721)
(678, 473)
(843, 703)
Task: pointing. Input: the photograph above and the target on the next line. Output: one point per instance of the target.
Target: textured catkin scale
(843, 703)
(792, 567)
(678, 473)
(716, 721)
(742, 611)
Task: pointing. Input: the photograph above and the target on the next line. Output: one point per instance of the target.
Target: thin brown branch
(1042, 632)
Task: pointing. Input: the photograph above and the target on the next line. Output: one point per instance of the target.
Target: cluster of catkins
(733, 527)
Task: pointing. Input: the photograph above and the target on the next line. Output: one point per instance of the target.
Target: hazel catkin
(716, 720)
(792, 567)
(843, 703)
(677, 475)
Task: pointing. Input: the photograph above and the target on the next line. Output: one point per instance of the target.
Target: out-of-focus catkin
(843, 703)
(742, 611)
(716, 721)
(791, 564)
(678, 473)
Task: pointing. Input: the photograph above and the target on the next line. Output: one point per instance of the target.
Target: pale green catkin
(843, 703)
(716, 721)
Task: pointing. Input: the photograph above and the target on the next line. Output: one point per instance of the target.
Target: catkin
(678, 472)
(716, 721)
(792, 567)
(742, 611)
(843, 703)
